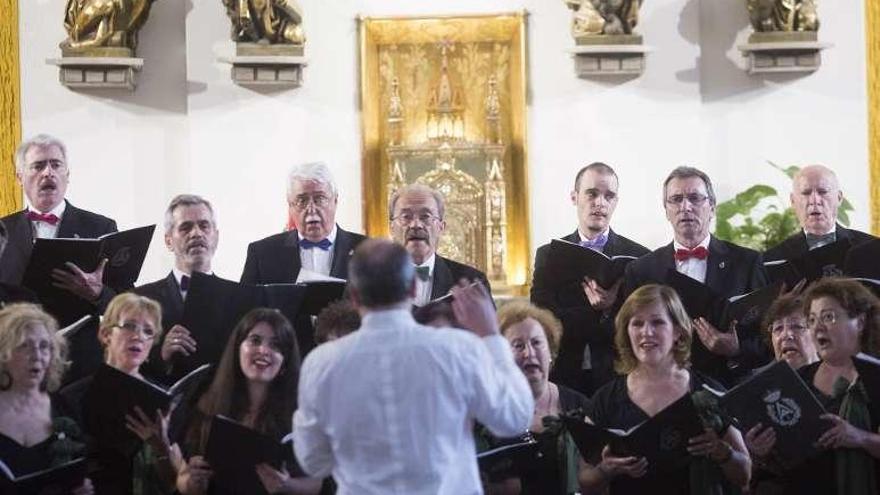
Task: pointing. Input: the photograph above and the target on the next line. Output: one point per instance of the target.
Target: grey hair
(186, 200)
(316, 171)
(685, 172)
(412, 188)
(39, 141)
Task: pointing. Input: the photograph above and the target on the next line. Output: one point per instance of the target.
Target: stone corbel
(609, 55)
(98, 72)
(785, 52)
(273, 66)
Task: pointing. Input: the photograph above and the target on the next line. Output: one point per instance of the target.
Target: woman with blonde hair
(653, 335)
(33, 436)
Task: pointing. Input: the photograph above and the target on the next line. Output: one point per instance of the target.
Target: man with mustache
(725, 268)
(815, 198)
(417, 223)
(586, 354)
(191, 235)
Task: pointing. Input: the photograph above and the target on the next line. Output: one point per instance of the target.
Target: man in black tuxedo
(815, 198)
(12, 293)
(725, 268)
(191, 234)
(42, 170)
(586, 350)
(316, 247)
(417, 222)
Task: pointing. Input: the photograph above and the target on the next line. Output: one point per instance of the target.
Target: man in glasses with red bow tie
(41, 169)
(726, 269)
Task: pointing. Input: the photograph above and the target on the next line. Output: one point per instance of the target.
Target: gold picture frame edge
(374, 202)
(10, 107)
(872, 37)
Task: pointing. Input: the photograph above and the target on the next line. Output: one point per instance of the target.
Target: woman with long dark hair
(255, 385)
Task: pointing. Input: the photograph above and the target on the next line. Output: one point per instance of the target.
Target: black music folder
(825, 261)
(512, 455)
(869, 373)
(113, 394)
(55, 480)
(569, 263)
(777, 397)
(748, 309)
(661, 439)
(214, 307)
(125, 252)
(234, 450)
(320, 293)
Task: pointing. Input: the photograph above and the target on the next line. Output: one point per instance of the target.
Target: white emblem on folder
(782, 410)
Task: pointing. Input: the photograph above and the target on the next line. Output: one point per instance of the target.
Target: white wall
(187, 128)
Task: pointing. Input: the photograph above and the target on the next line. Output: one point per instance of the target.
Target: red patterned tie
(698, 252)
(49, 218)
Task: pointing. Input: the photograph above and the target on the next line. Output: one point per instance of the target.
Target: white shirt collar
(178, 274)
(387, 318)
(583, 238)
(330, 237)
(704, 243)
(58, 211)
(832, 231)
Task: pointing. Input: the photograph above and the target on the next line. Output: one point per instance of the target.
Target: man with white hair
(42, 171)
(316, 245)
(815, 197)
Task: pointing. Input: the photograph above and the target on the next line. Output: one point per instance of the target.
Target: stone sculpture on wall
(104, 27)
(265, 21)
(783, 15)
(592, 17)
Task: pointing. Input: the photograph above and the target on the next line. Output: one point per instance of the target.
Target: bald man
(815, 197)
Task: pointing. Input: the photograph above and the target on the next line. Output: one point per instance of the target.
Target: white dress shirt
(316, 260)
(43, 230)
(692, 267)
(389, 409)
(424, 287)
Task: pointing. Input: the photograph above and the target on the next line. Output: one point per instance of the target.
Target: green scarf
(706, 477)
(854, 468)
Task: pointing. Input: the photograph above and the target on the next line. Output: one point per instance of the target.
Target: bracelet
(727, 456)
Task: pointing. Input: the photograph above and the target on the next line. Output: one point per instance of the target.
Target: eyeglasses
(827, 318)
(302, 202)
(693, 198)
(406, 217)
(147, 331)
(40, 165)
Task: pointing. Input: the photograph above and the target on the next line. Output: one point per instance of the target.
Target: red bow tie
(49, 218)
(698, 252)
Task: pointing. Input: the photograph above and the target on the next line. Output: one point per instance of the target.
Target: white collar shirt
(390, 409)
(693, 267)
(178, 275)
(425, 287)
(44, 230)
(316, 260)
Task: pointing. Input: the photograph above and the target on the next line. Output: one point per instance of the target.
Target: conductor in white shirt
(389, 409)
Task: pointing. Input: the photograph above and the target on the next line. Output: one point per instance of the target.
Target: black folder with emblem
(869, 374)
(569, 263)
(124, 251)
(661, 439)
(777, 397)
(825, 261)
(511, 456)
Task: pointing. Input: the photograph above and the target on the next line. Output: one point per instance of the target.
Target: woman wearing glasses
(843, 318)
(128, 330)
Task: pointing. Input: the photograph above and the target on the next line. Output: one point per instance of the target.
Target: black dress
(817, 475)
(63, 445)
(613, 408)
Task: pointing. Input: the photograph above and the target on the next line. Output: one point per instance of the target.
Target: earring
(5, 380)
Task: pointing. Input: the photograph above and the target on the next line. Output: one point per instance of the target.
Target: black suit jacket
(581, 324)
(796, 245)
(166, 292)
(447, 273)
(75, 223)
(276, 260)
(731, 270)
(862, 260)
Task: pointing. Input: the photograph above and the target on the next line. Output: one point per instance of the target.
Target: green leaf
(789, 171)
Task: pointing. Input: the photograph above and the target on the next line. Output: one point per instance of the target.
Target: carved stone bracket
(605, 55)
(98, 72)
(783, 52)
(277, 71)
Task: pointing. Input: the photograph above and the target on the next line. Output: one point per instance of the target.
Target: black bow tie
(423, 272)
(184, 283)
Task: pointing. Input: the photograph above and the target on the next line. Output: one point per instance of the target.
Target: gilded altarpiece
(872, 34)
(10, 106)
(443, 103)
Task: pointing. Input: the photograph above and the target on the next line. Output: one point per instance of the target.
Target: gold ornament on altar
(103, 27)
(783, 15)
(608, 17)
(444, 104)
(272, 22)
